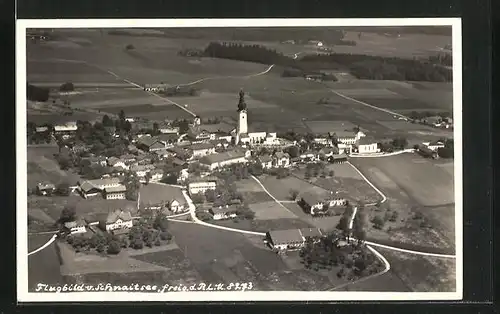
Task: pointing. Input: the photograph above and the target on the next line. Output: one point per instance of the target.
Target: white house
(66, 127)
(141, 170)
(313, 203)
(115, 193)
(118, 220)
(95, 187)
(156, 175)
(266, 161)
(434, 145)
(77, 226)
(292, 239)
(116, 163)
(201, 186)
(281, 160)
(366, 146)
(176, 207)
(347, 137)
(201, 149)
(222, 212)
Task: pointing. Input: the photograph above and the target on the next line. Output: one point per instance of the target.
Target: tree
(331, 173)
(394, 216)
(183, 127)
(343, 224)
(210, 195)
(293, 151)
(121, 115)
(114, 247)
(400, 142)
(129, 47)
(106, 121)
(198, 198)
(160, 223)
(63, 189)
(293, 194)
(157, 242)
(378, 222)
(165, 236)
(67, 87)
(67, 214)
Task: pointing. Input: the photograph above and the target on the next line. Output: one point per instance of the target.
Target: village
(196, 162)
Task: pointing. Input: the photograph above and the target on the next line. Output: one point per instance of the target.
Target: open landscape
(284, 159)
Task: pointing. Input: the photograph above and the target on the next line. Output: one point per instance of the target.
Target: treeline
(383, 68)
(445, 59)
(35, 93)
(250, 53)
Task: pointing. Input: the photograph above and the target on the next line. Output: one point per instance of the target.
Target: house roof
(312, 198)
(426, 150)
(285, 236)
(436, 143)
(311, 232)
(339, 156)
(168, 137)
(128, 157)
(217, 128)
(113, 161)
(121, 231)
(118, 214)
(201, 146)
(265, 158)
(76, 223)
(148, 141)
(202, 179)
(141, 167)
(88, 185)
(223, 209)
(366, 141)
(116, 189)
(219, 157)
(45, 185)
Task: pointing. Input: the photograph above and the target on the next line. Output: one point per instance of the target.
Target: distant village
(115, 157)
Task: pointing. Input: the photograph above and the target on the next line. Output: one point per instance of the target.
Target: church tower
(242, 117)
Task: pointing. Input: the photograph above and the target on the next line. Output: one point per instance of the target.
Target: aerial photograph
(240, 159)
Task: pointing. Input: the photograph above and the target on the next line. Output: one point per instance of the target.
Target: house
(434, 145)
(323, 140)
(115, 192)
(291, 239)
(156, 175)
(96, 160)
(336, 199)
(77, 226)
(218, 160)
(202, 185)
(177, 206)
(94, 187)
(307, 156)
(433, 120)
(141, 170)
(347, 137)
(223, 212)
(117, 162)
(427, 152)
(149, 144)
(326, 153)
(168, 138)
(41, 129)
(45, 188)
(366, 145)
(118, 219)
(165, 129)
(337, 159)
(201, 149)
(313, 204)
(68, 127)
(281, 160)
(266, 161)
(128, 159)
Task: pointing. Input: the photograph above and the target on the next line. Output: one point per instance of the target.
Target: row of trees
(251, 53)
(448, 150)
(445, 59)
(35, 93)
(419, 115)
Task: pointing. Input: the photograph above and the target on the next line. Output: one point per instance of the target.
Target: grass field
(44, 266)
(423, 273)
(260, 225)
(270, 210)
(280, 188)
(64, 71)
(154, 193)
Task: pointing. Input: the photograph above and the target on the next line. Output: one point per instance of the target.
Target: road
(52, 239)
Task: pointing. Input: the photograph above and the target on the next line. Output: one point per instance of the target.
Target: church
(239, 135)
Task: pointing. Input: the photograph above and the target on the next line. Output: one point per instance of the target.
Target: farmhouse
(156, 175)
(118, 219)
(115, 192)
(141, 170)
(427, 152)
(94, 187)
(177, 206)
(228, 158)
(162, 153)
(222, 212)
(77, 226)
(326, 153)
(128, 159)
(168, 138)
(201, 149)
(45, 188)
(347, 137)
(149, 144)
(201, 185)
(281, 160)
(366, 145)
(291, 239)
(266, 161)
(117, 162)
(337, 159)
(313, 204)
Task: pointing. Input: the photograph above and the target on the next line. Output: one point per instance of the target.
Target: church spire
(241, 104)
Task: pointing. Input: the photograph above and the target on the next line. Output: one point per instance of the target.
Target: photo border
(22, 265)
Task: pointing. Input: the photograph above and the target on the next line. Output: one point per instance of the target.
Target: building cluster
(291, 239)
(116, 222)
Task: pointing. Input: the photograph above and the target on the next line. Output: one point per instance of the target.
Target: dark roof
(426, 150)
(366, 141)
(201, 146)
(311, 232)
(285, 236)
(118, 214)
(217, 128)
(339, 156)
(214, 158)
(116, 189)
(147, 141)
(167, 137)
(281, 155)
(342, 134)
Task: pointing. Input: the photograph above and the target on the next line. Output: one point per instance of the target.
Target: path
(52, 239)
(384, 198)
(270, 195)
(226, 77)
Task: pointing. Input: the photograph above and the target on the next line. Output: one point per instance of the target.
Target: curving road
(52, 239)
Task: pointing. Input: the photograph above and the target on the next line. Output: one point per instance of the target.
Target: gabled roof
(217, 128)
(148, 141)
(76, 223)
(118, 214)
(342, 134)
(366, 141)
(201, 146)
(312, 198)
(285, 236)
(116, 189)
(219, 157)
(113, 161)
(281, 155)
(265, 158)
(310, 232)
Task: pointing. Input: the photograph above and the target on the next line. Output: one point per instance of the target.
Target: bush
(114, 247)
(394, 216)
(165, 236)
(129, 47)
(378, 222)
(63, 189)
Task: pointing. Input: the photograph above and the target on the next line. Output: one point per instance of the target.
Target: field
(423, 273)
(413, 186)
(43, 167)
(44, 266)
(50, 71)
(280, 188)
(261, 225)
(53, 205)
(155, 193)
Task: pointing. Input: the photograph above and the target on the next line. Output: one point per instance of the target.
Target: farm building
(434, 145)
(315, 204)
(75, 227)
(308, 156)
(149, 144)
(117, 219)
(128, 159)
(228, 158)
(291, 239)
(95, 187)
(337, 159)
(115, 192)
(347, 137)
(427, 152)
(45, 188)
(68, 127)
(223, 212)
(201, 149)
(266, 161)
(366, 145)
(156, 175)
(141, 170)
(168, 138)
(326, 153)
(201, 185)
(117, 162)
(177, 206)
(281, 160)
